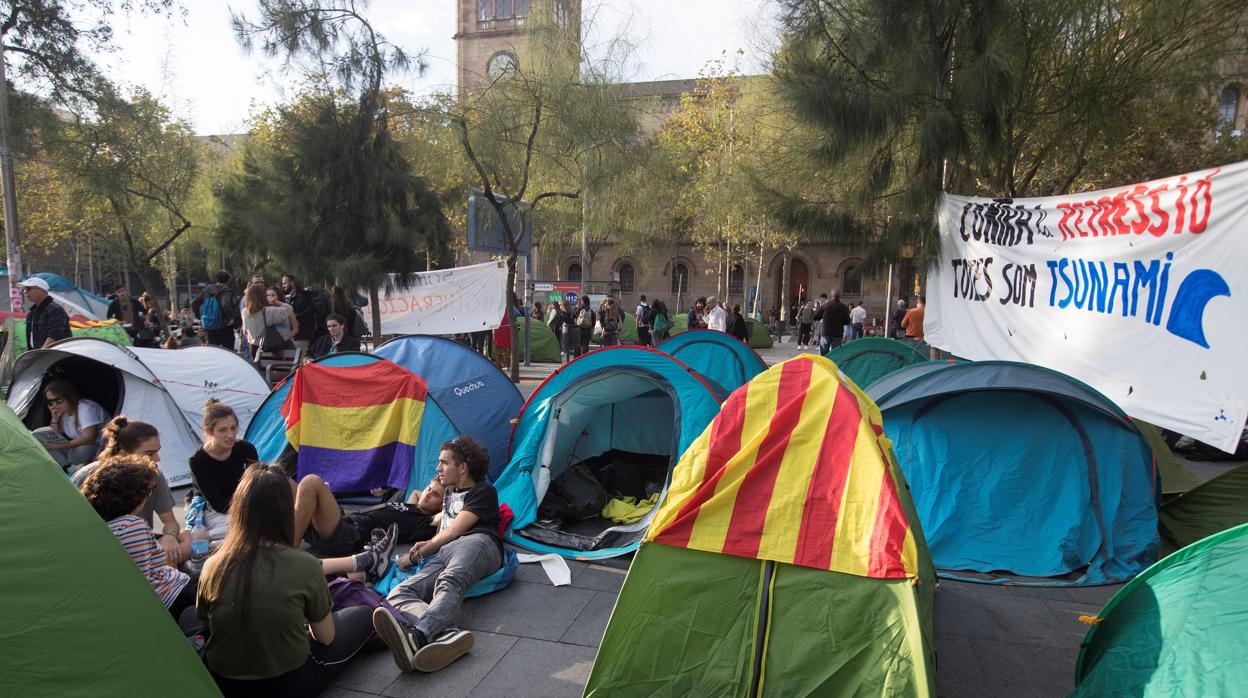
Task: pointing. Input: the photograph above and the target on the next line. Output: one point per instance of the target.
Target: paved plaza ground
(534, 639)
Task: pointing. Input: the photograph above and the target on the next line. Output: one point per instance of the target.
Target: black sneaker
(382, 549)
(403, 643)
(449, 646)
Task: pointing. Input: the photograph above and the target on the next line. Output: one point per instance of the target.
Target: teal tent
(79, 618)
(1176, 630)
(718, 356)
(1022, 470)
(869, 359)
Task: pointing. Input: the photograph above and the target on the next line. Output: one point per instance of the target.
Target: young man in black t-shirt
(466, 549)
(321, 522)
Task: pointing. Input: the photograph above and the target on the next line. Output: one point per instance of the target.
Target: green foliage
(325, 192)
(989, 97)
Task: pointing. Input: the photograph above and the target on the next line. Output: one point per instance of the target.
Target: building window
(574, 272)
(626, 278)
(489, 10)
(1228, 109)
(736, 281)
(680, 278)
(852, 283)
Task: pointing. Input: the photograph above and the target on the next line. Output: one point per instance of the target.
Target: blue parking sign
(570, 297)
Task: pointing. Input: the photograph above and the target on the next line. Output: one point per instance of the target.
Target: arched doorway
(799, 283)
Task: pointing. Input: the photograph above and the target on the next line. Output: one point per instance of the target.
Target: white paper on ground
(554, 566)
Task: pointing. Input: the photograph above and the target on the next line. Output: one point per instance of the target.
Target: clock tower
(489, 34)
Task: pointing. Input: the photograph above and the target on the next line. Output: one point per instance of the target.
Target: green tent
(1175, 479)
(869, 359)
(543, 346)
(760, 338)
(1176, 630)
(80, 618)
(785, 560)
(1206, 509)
(628, 330)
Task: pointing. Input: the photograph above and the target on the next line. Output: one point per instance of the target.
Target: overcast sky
(196, 66)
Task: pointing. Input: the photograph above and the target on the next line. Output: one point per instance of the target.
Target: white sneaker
(401, 641)
(450, 645)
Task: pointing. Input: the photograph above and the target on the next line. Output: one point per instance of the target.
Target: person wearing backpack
(217, 308)
(585, 318)
(660, 321)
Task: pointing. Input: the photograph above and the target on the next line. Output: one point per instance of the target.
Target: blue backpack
(210, 315)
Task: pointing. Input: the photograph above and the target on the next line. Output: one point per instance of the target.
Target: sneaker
(382, 549)
(403, 643)
(449, 646)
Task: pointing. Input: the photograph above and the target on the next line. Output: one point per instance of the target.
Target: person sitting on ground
(73, 435)
(125, 438)
(218, 466)
(467, 548)
(320, 520)
(186, 325)
(393, 524)
(336, 342)
(256, 594)
(118, 491)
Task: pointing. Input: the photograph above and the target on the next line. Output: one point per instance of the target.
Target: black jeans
(353, 632)
(221, 338)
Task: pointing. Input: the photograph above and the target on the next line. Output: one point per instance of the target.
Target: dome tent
(74, 300)
(1019, 469)
(786, 559)
(466, 394)
(1177, 629)
(79, 616)
(718, 356)
(869, 359)
(634, 409)
(759, 336)
(165, 388)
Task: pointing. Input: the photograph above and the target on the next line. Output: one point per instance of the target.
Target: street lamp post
(13, 254)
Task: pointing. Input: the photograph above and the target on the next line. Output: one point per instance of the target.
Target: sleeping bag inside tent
(869, 359)
(80, 619)
(716, 355)
(785, 561)
(165, 388)
(594, 446)
(1017, 469)
(384, 429)
(1175, 631)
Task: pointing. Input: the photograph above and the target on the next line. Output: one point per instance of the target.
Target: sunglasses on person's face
(55, 401)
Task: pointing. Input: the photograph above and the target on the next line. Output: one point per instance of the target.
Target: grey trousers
(78, 455)
(430, 598)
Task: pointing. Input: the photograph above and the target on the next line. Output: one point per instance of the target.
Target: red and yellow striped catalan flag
(85, 324)
(794, 469)
(355, 426)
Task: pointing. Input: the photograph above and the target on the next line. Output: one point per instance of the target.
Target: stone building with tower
(489, 41)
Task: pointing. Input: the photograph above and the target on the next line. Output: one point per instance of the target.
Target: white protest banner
(446, 301)
(1140, 292)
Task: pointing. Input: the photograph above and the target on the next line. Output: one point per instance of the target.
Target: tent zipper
(763, 623)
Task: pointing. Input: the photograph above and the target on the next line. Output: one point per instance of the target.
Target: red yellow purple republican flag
(355, 426)
(795, 469)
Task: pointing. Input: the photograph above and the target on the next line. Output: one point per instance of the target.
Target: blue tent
(75, 300)
(472, 402)
(1018, 469)
(639, 404)
(716, 355)
(469, 388)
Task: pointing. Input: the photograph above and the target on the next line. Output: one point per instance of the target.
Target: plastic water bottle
(199, 541)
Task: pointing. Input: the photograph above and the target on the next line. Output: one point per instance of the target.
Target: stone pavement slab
(541, 670)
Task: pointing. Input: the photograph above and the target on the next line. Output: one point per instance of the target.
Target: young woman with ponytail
(218, 466)
(125, 438)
